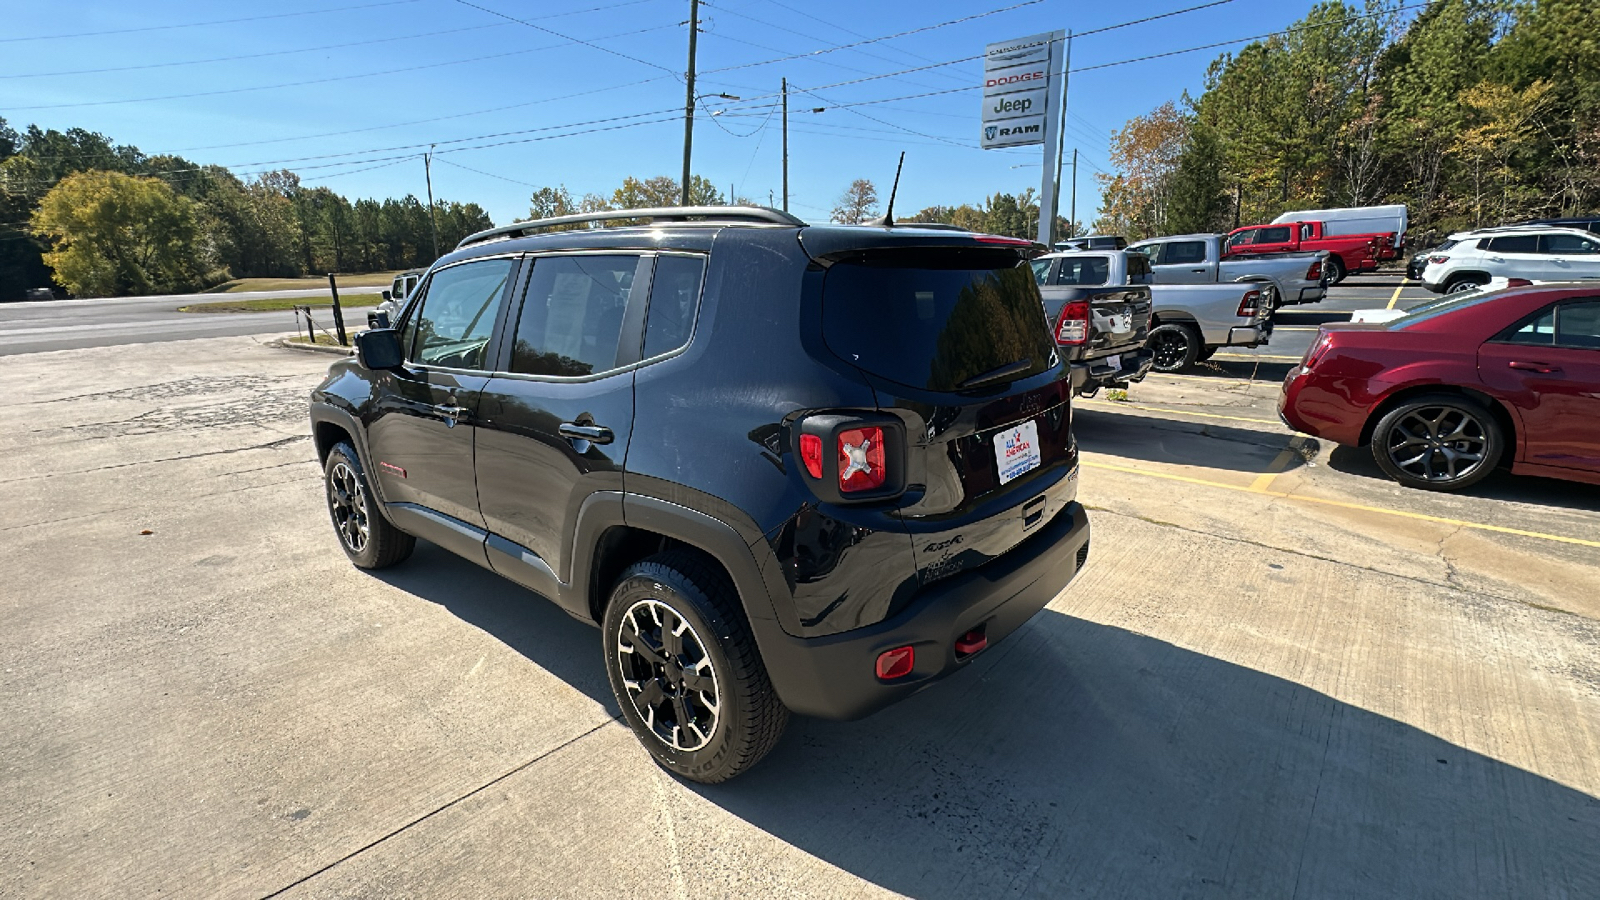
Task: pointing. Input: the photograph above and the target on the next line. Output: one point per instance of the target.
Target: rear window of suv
(934, 320)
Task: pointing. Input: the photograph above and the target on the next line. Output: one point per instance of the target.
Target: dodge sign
(1016, 90)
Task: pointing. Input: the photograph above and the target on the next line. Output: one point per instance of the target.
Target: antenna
(887, 219)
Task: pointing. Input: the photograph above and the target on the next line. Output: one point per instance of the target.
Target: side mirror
(379, 349)
(387, 296)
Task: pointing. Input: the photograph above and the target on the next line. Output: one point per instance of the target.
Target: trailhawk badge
(1016, 450)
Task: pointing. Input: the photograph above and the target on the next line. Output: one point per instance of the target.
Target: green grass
(239, 285)
(346, 301)
(325, 340)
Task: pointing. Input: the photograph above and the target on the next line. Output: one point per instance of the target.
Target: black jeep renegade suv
(783, 467)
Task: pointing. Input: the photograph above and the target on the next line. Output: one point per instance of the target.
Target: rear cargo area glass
(933, 320)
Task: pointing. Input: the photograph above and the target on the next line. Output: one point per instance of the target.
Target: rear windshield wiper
(1003, 373)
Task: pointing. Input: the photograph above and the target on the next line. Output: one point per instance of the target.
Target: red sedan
(1457, 388)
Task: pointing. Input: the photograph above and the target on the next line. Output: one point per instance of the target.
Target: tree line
(105, 219)
(1477, 112)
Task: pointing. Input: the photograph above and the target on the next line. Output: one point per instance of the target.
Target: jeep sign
(1017, 91)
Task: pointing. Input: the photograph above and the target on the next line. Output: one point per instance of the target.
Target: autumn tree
(857, 204)
(113, 234)
(1135, 202)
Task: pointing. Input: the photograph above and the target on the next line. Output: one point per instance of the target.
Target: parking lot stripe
(1396, 298)
(1110, 405)
(1476, 526)
(1278, 464)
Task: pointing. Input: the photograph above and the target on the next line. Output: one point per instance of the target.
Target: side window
(1242, 239)
(1515, 243)
(1539, 330)
(457, 315)
(571, 318)
(1305, 232)
(1041, 270)
(674, 298)
(1151, 252)
(1567, 245)
(1578, 324)
(1138, 269)
(1185, 253)
(1277, 235)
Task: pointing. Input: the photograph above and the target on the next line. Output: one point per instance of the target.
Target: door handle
(1541, 368)
(1201, 271)
(451, 413)
(594, 434)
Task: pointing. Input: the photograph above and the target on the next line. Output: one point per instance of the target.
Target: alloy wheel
(348, 503)
(1461, 287)
(668, 675)
(1169, 348)
(1438, 443)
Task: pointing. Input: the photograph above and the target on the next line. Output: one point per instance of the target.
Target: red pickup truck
(1347, 252)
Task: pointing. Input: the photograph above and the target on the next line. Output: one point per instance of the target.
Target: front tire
(1440, 442)
(367, 537)
(685, 670)
(1174, 346)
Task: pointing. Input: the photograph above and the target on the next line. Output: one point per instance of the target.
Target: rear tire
(684, 668)
(1175, 346)
(366, 536)
(1464, 283)
(1335, 270)
(1438, 442)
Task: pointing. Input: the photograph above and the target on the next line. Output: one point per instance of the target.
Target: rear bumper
(1309, 407)
(1249, 335)
(1311, 294)
(833, 677)
(1133, 365)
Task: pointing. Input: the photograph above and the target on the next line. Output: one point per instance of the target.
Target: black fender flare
(324, 412)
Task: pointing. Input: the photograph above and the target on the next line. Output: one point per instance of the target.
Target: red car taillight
(1315, 272)
(861, 460)
(1250, 304)
(811, 454)
(1318, 350)
(1072, 326)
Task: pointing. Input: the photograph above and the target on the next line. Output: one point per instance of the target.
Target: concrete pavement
(1245, 694)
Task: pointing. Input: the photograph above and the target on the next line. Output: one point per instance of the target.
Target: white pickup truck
(1188, 322)
(1198, 259)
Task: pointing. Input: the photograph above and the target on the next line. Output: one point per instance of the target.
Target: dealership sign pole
(1022, 106)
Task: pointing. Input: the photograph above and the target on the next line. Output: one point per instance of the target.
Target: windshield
(936, 320)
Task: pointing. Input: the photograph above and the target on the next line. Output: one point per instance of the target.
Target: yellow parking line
(1276, 467)
(1184, 412)
(1477, 526)
(1396, 298)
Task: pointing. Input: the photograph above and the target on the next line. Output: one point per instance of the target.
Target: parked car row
(1469, 260)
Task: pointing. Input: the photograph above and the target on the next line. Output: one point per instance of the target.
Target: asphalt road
(76, 324)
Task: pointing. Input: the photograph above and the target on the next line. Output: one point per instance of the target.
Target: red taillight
(1250, 304)
(1072, 326)
(1318, 350)
(896, 663)
(999, 239)
(811, 454)
(1315, 272)
(861, 460)
(1438, 260)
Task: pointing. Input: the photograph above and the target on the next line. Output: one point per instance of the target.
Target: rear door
(1182, 262)
(420, 428)
(557, 416)
(952, 343)
(1549, 367)
(1517, 256)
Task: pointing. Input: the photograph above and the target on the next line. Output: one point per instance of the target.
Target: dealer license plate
(1016, 450)
(1114, 360)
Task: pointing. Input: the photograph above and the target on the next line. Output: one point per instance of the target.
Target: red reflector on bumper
(896, 663)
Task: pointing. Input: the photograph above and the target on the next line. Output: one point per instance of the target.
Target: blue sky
(420, 71)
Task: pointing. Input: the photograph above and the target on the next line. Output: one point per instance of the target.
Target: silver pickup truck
(1188, 322)
(1198, 259)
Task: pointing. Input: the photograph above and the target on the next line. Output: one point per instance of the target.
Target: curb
(284, 343)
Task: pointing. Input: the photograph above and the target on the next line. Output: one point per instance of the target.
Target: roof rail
(748, 214)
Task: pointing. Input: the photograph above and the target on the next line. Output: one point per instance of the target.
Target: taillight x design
(1072, 326)
(852, 457)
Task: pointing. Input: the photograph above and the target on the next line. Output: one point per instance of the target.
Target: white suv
(1536, 253)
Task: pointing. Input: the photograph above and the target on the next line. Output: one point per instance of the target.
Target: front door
(1569, 257)
(1549, 366)
(554, 424)
(420, 428)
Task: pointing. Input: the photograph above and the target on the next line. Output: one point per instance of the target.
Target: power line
(403, 69)
(1165, 15)
(567, 37)
(309, 12)
(887, 37)
(491, 174)
(809, 37)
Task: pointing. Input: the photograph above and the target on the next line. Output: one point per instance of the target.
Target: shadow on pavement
(1093, 761)
(1176, 442)
(1260, 372)
(1501, 485)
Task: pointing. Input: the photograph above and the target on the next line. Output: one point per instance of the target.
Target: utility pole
(688, 103)
(785, 145)
(1072, 211)
(427, 169)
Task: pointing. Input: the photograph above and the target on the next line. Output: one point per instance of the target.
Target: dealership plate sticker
(1114, 360)
(1016, 450)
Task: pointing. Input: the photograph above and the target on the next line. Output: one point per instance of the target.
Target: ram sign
(1016, 90)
